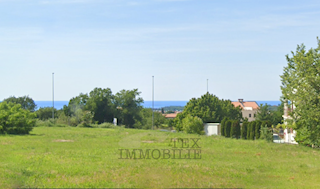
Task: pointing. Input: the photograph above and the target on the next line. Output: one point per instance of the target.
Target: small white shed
(212, 129)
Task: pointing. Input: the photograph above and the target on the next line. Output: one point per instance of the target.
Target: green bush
(227, 128)
(15, 120)
(257, 129)
(45, 123)
(192, 125)
(49, 123)
(223, 126)
(235, 129)
(252, 130)
(46, 113)
(244, 130)
(248, 130)
(106, 125)
(238, 129)
(266, 134)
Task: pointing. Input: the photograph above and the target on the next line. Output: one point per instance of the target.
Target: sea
(147, 104)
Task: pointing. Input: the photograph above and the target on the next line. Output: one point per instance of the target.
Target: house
(249, 109)
(171, 115)
(287, 109)
(289, 133)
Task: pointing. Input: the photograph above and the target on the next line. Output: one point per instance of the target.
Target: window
(249, 115)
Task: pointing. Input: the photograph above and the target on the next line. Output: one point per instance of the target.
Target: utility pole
(52, 95)
(152, 101)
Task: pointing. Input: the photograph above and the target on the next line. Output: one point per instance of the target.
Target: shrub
(252, 130)
(257, 129)
(106, 125)
(244, 130)
(249, 130)
(233, 131)
(238, 129)
(46, 113)
(15, 120)
(46, 123)
(228, 128)
(266, 134)
(192, 125)
(223, 126)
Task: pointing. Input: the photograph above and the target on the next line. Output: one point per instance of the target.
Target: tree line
(248, 130)
(102, 106)
(96, 107)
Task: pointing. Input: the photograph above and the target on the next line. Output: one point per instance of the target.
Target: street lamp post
(152, 101)
(207, 85)
(52, 95)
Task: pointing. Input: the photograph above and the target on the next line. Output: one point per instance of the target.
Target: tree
(244, 130)
(178, 121)
(235, 129)
(273, 116)
(257, 129)
(211, 109)
(46, 113)
(228, 128)
(78, 102)
(249, 130)
(128, 104)
(100, 104)
(277, 115)
(146, 119)
(266, 134)
(223, 126)
(26, 102)
(192, 125)
(15, 120)
(301, 86)
(264, 113)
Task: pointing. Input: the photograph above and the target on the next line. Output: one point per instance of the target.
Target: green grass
(90, 159)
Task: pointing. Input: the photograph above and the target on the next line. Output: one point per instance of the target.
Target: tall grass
(73, 157)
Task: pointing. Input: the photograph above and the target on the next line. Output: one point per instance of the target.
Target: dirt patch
(5, 143)
(148, 141)
(240, 152)
(63, 141)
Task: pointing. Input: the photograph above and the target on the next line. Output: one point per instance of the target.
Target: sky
(239, 46)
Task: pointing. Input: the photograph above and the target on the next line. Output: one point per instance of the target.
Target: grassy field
(67, 157)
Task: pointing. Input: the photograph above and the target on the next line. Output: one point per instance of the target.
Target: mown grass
(68, 157)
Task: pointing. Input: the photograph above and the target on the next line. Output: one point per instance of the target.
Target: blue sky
(240, 46)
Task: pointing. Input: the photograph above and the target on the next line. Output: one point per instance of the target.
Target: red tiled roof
(252, 104)
(173, 115)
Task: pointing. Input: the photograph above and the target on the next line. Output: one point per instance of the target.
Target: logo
(181, 148)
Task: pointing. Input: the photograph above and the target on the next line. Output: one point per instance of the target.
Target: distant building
(287, 109)
(171, 115)
(249, 109)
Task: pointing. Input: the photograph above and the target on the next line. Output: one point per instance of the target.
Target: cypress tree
(252, 130)
(244, 130)
(233, 131)
(257, 129)
(223, 126)
(238, 129)
(249, 130)
(228, 128)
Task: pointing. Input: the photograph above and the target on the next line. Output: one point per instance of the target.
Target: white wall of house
(289, 136)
